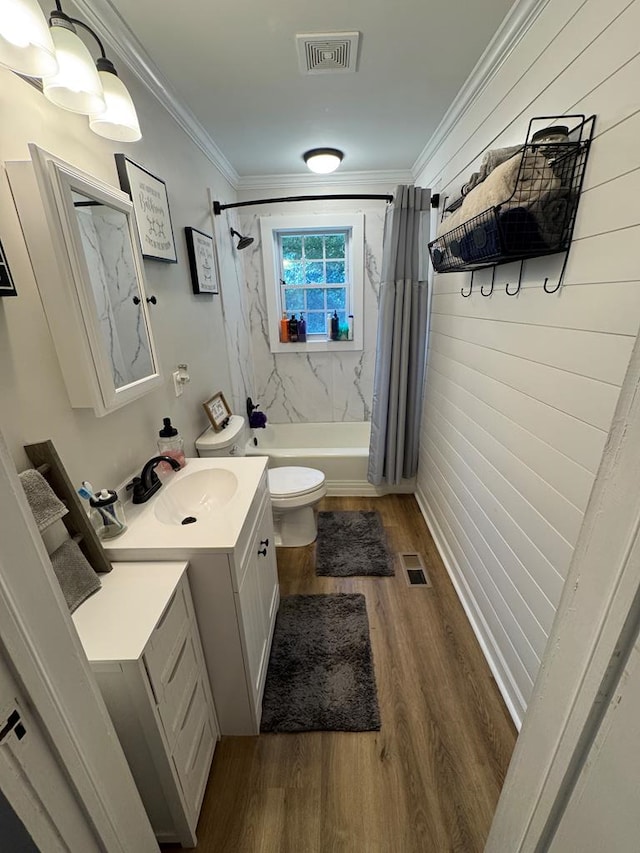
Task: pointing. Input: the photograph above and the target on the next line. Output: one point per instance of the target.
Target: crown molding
(107, 22)
(516, 24)
(383, 179)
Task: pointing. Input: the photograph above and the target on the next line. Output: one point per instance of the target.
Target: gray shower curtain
(402, 338)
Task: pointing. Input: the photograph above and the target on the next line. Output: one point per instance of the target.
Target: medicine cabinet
(82, 241)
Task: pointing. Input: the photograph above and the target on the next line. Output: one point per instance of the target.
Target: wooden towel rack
(45, 459)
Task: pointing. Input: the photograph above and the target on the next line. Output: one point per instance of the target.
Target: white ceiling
(235, 65)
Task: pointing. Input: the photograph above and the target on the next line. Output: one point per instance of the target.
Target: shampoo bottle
(335, 327)
(284, 329)
(329, 326)
(293, 329)
(302, 329)
(170, 443)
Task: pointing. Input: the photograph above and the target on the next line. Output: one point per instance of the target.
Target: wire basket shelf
(538, 216)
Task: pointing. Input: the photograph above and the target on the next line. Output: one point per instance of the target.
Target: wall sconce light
(323, 160)
(26, 45)
(71, 79)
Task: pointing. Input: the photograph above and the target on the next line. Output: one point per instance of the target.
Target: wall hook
(560, 277)
(462, 293)
(493, 278)
(519, 285)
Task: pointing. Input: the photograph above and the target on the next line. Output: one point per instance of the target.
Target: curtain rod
(218, 208)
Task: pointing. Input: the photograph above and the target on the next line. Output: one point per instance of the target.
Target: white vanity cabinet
(141, 638)
(236, 597)
(232, 572)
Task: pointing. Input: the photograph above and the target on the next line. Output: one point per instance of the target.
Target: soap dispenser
(171, 444)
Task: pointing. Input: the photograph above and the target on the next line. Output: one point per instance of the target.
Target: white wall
(520, 391)
(187, 328)
(314, 387)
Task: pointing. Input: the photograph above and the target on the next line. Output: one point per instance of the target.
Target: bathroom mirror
(89, 271)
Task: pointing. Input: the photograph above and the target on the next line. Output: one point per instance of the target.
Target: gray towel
(45, 505)
(76, 577)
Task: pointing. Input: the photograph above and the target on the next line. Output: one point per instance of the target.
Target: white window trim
(269, 226)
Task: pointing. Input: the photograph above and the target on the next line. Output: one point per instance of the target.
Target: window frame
(273, 226)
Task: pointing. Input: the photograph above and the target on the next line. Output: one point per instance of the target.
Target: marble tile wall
(313, 387)
(235, 300)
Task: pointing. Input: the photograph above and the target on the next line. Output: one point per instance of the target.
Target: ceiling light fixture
(26, 45)
(323, 160)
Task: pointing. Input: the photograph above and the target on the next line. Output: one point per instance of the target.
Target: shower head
(243, 242)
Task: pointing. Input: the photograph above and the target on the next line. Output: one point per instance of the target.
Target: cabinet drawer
(194, 746)
(161, 650)
(181, 677)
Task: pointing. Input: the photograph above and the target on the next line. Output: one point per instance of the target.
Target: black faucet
(148, 483)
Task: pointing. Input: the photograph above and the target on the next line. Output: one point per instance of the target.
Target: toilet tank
(230, 441)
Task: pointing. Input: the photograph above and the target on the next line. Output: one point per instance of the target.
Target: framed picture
(151, 204)
(7, 287)
(202, 261)
(217, 411)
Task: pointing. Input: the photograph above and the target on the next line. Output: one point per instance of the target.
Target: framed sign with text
(202, 261)
(151, 205)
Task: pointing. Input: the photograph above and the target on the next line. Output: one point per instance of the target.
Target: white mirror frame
(55, 247)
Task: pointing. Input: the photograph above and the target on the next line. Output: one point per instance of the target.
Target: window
(313, 265)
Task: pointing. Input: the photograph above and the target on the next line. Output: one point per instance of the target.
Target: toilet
(294, 490)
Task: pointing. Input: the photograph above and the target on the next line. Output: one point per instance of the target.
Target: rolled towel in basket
(491, 160)
(76, 577)
(508, 185)
(552, 212)
(45, 505)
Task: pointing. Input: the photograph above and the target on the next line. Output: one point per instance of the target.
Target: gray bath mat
(320, 675)
(352, 543)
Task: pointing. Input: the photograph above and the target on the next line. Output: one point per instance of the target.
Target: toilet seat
(294, 482)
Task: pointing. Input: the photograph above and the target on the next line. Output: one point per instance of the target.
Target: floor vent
(414, 569)
(322, 53)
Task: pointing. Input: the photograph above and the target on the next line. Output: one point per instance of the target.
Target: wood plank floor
(428, 781)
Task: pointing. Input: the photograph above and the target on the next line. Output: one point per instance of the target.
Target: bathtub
(339, 450)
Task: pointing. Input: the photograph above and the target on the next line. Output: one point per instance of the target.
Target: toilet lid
(294, 481)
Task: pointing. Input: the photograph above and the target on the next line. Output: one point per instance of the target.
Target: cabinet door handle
(136, 300)
(263, 552)
(152, 300)
(264, 542)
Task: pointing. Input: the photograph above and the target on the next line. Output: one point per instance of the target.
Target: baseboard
(480, 628)
(362, 488)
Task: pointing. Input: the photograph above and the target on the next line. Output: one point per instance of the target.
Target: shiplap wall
(520, 391)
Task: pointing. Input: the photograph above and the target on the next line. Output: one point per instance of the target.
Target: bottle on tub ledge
(284, 329)
(293, 329)
(170, 443)
(335, 327)
(350, 327)
(302, 329)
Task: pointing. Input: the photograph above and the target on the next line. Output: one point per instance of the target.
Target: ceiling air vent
(323, 53)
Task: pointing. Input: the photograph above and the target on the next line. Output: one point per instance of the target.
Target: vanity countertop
(115, 623)
(216, 530)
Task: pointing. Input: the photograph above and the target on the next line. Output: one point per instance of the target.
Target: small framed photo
(151, 205)
(202, 261)
(7, 287)
(217, 411)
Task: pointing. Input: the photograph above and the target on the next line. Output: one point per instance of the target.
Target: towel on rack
(491, 160)
(552, 212)
(514, 231)
(507, 186)
(45, 505)
(76, 577)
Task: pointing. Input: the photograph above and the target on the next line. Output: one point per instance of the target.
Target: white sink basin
(191, 498)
